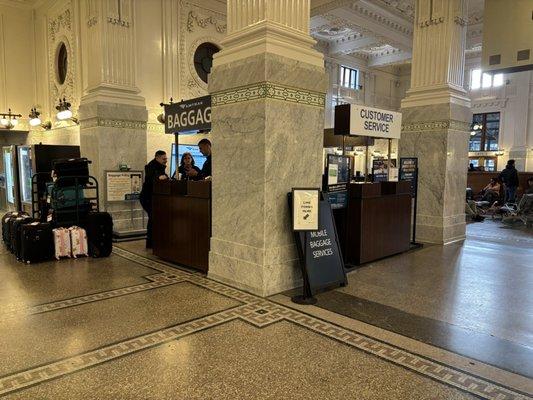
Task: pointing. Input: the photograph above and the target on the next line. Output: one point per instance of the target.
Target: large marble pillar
(436, 119)
(268, 87)
(112, 115)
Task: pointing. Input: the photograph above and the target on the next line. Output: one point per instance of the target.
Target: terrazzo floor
(133, 327)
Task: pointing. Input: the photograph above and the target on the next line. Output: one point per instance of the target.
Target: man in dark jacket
(205, 149)
(153, 171)
(509, 176)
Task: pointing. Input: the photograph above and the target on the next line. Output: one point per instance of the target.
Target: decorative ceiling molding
(193, 19)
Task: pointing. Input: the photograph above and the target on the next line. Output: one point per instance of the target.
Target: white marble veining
(262, 148)
(443, 163)
(107, 146)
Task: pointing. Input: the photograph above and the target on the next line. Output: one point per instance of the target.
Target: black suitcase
(65, 168)
(5, 221)
(68, 216)
(9, 228)
(16, 232)
(6, 236)
(36, 242)
(99, 227)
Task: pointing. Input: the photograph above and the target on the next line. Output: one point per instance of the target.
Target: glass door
(9, 154)
(25, 174)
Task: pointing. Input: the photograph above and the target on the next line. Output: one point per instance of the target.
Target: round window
(203, 59)
(62, 63)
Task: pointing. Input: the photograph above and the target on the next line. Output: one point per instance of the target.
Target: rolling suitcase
(5, 220)
(76, 215)
(36, 243)
(16, 233)
(99, 228)
(62, 245)
(71, 167)
(11, 225)
(6, 234)
(78, 241)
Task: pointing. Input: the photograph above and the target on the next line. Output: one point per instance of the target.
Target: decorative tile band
(112, 123)
(254, 310)
(434, 126)
(268, 90)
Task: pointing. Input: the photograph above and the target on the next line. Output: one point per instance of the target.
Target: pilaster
(113, 117)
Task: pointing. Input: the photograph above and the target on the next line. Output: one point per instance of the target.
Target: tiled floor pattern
(253, 310)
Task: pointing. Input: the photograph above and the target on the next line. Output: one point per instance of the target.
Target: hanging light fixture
(161, 117)
(35, 120)
(9, 120)
(63, 111)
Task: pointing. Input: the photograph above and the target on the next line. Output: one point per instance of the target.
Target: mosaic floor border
(254, 310)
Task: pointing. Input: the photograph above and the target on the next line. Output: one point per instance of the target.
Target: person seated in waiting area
(205, 149)
(187, 165)
(529, 188)
(491, 192)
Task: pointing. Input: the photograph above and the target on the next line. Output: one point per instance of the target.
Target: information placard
(305, 209)
(380, 170)
(338, 172)
(408, 172)
(320, 250)
(123, 185)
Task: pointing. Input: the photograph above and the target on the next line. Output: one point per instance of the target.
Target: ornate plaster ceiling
(380, 31)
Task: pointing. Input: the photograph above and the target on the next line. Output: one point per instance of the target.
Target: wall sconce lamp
(36, 121)
(9, 120)
(500, 152)
(376, 153)
(63, 111)
(161, 117)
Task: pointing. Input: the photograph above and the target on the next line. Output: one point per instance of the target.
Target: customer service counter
(377, 222)
(182, 222)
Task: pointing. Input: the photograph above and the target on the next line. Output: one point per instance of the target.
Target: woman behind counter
(186, 165)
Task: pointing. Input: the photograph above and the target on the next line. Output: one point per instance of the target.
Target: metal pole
(366, 160)
(416, 204)
(343, 145)
(389, 162)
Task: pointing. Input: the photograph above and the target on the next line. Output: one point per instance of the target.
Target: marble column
(268, 86)
(112, 115)
(436, 119)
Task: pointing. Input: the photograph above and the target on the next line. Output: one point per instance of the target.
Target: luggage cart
(86, 198)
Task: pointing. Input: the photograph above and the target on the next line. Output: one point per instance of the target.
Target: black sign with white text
(324, 265)
(188, 116)
(409, 171)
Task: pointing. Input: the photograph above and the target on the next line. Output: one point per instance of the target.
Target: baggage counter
(377, 223)
(182, 222)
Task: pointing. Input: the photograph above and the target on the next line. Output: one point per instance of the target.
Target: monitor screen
(199, 158)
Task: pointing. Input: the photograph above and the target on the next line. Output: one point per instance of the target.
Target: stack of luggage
(74, 227)
(67, 194)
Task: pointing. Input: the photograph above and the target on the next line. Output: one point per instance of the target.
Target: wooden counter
(378, 221)
(182, 222)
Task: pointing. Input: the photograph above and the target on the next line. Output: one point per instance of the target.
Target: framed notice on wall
(123, 185)
(305, 209)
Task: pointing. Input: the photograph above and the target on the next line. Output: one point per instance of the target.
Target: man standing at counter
(153, 171)
(205, 149)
